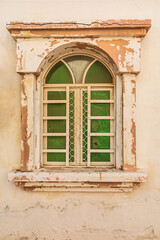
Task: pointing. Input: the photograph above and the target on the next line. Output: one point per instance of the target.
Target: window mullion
(67, 126)
(88, 145)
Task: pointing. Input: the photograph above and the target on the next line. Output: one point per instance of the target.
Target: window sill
(78, 181)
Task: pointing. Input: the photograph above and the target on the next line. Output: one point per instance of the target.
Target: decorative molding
(78, 181)
(121, 27)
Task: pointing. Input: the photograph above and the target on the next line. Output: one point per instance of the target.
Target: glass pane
(59, 74)
(98, 73)
(56, 109)
(56, 126)
(100, 142)
(56, 95)
(78, 64)
(56, 142)
(100, 126)
(100, 109)
(100, 95)
(56, 157)
(100, 157)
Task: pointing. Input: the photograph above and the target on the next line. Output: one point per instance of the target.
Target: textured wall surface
(67, 216)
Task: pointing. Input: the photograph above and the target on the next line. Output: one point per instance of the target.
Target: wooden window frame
(82, 86)
(108, 41)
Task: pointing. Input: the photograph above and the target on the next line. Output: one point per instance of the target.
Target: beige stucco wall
(27, 215)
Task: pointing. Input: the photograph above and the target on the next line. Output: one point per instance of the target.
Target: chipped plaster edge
(78, 176)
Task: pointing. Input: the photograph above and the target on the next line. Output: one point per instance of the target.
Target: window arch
(78, 113)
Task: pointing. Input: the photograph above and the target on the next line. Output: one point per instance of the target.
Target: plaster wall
(65, 216)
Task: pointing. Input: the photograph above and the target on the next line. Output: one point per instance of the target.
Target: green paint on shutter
(100, 109)
(58, 74)
(56, 95)
(56, 126)
(56, 142)
(98, 73)
(100, 157)
(56, 109)
(56, 157)
(100, 95)
(100, 126)
(100, 142)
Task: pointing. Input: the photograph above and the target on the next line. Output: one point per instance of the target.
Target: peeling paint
(120, 51)
(133, 131)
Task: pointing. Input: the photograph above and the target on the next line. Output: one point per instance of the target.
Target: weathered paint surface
(27, 108)
(124, 51)
(63, 216)
(120, 23)
(77, 176)
(129, 121)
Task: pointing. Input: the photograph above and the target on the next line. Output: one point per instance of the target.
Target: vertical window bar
(67, 126)
(89, 128)
(85, 125)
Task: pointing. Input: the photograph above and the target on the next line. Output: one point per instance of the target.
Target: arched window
(78, 113)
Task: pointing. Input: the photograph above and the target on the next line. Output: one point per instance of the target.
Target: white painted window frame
(88, 87)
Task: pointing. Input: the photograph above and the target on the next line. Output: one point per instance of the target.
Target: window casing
(115, 43)
(78, 127)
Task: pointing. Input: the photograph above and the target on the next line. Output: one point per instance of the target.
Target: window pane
(98, 73)
(56, 142)
(102, 95)
(56, 109)
(78, 64)
(100, 109)
(56, 95)
(100, 142)
(56, 126)
(59, 74)
(56, 157)
(100, 126)
(100, 157)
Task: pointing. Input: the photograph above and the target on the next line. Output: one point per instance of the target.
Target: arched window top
(98, 73)
(79, 69)
(59, 74)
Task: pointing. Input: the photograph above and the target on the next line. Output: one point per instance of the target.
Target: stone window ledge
(78, 181)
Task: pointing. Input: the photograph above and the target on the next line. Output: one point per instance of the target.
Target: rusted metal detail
(129, 125)
(78, 176)
(121, 23)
